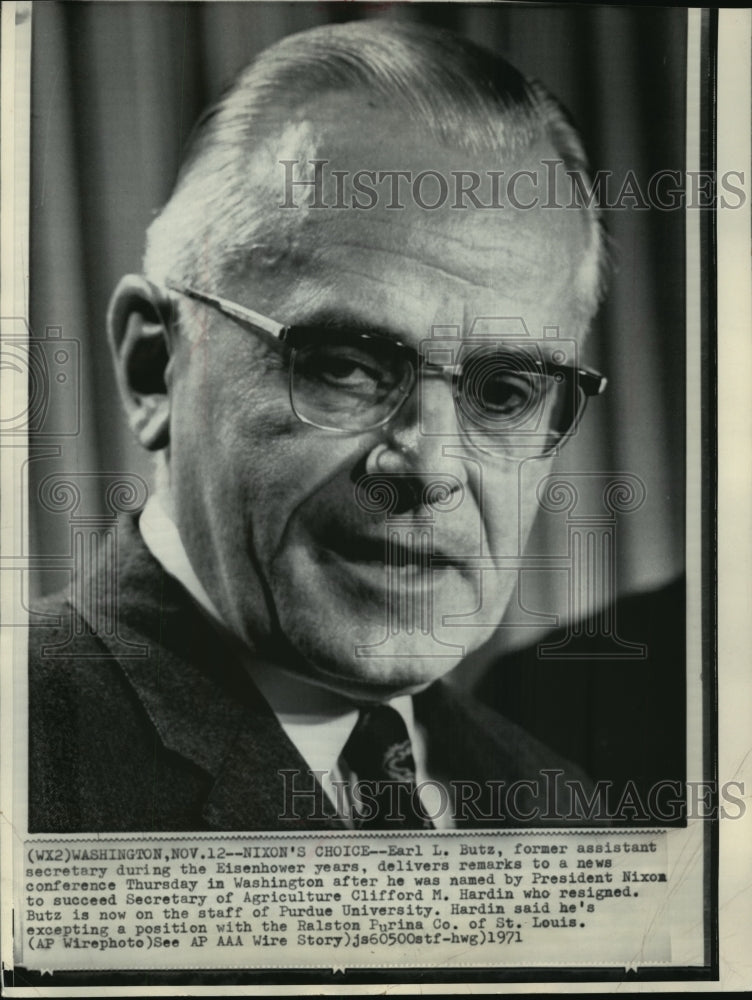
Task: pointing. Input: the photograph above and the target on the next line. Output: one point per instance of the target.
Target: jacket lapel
(201, 701)
(516, 777)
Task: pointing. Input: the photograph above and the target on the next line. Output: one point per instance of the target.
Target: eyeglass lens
(349, 383)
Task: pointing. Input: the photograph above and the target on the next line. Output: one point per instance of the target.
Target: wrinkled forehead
(360, 198)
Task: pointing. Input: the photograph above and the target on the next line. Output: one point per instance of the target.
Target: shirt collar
(162, 539)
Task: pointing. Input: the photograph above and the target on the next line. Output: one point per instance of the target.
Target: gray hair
(455, 91)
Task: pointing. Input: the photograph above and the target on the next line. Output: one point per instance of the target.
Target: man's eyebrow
(342, 321)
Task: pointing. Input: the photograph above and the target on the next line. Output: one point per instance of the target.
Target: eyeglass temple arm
(593, 383)
(262, 324)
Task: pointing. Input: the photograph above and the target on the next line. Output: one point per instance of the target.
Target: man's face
(266, 504)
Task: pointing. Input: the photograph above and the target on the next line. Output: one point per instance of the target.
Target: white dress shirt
(317, 721)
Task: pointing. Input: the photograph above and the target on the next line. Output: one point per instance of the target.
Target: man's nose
(412, 445)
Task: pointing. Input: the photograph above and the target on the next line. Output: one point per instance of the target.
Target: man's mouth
(410, 551)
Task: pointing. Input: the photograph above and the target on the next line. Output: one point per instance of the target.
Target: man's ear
(139, 330)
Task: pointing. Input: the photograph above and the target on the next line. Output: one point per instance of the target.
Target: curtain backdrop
(116, 88)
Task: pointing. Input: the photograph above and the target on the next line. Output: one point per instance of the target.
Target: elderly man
(351, 339)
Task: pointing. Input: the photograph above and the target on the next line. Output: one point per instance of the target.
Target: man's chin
(363, 641)
(374, 671)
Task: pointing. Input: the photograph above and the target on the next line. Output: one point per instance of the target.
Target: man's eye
(506, 394)
(346, 368)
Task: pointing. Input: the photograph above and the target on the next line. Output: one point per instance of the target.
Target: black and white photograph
(359, 443)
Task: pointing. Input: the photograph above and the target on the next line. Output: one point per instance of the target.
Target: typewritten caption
(343, 902)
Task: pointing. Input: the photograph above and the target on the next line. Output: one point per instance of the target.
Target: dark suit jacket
(141, 718)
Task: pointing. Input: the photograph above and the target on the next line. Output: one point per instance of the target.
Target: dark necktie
(380, 754)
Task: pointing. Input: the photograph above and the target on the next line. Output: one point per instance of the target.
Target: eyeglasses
(512, 399)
